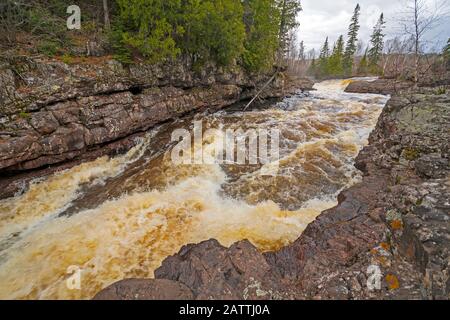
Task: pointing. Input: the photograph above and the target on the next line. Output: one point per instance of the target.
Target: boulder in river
(379, 86)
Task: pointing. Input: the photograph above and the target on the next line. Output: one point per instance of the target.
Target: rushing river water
(119, 218)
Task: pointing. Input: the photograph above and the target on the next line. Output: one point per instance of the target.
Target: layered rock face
(53, 112)
(379, 86)
(394, 86)
(389, 237)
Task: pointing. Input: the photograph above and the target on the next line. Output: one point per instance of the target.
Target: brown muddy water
(116, 218)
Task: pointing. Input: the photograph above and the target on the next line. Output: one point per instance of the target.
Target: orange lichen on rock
(386, 246)
(347, 81)
(396, 224)
(392, 282)
(383, 261)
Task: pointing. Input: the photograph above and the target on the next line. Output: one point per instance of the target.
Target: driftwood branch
(260, 91)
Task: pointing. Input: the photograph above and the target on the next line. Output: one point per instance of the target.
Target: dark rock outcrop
(379, 86)
(397, 218)
(52, 112)
(65, 130)
(236, 272)
(151, 289)
(389, 237)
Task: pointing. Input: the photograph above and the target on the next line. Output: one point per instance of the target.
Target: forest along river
(117, 218)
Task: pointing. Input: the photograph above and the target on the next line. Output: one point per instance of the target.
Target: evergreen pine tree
(289, 10)
(352, 40)
(323, 59)
(377, 42)
(149, 27)
(447, 49)
(335, 62)
(363, 67)
(261, 44)
(213, 30)
(446, 54)
(312, 68)
(252, 32)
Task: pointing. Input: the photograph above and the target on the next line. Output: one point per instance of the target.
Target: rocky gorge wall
(394, 86)
(389, 237)
(53, 111)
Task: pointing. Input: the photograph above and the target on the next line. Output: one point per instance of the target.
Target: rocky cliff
(389, 237)
(54, 111)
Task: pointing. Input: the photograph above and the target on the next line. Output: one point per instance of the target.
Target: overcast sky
(321, 18)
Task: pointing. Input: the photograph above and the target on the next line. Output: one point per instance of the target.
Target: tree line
(253, 33)
(339, 61)
(404, 56)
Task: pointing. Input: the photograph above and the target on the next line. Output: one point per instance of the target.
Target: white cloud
(322, 18)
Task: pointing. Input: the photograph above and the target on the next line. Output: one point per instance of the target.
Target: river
(116, 218)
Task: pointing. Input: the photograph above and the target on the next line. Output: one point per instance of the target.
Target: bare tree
(311, 54)
(292, 49)
(12, 18)
(106, 15)
(417, 20)
(301, 51)
(360, 48)
(395, 60)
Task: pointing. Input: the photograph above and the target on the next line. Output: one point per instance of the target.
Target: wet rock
(140, 289)
(212, 271)
(395, 222)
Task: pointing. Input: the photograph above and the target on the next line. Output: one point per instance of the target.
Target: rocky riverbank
(59, 113)
(387, 239)
(378, 86)
(394, 86)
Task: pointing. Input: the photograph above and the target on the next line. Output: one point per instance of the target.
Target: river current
(117, 218)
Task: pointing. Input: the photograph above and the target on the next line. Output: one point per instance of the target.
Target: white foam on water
(128, 237)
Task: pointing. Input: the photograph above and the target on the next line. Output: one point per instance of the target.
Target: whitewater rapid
(116, 218)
